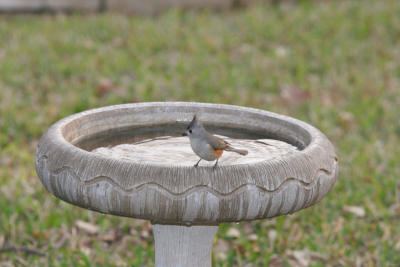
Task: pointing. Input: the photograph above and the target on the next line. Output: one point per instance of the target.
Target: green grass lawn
(334, 64)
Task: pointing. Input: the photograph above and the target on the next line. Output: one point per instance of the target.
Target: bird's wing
(216, 142)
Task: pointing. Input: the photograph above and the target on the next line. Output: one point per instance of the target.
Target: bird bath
(129, 160)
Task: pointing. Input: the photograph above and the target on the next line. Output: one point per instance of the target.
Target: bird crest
(193, 122)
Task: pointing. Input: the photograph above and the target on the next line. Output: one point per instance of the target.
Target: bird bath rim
(79, 143)
(183, 194)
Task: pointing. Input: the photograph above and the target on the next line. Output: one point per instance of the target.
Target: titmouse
(206, 145)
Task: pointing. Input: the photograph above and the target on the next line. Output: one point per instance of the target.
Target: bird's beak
(184, 134)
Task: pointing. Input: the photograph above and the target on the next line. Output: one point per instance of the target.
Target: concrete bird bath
(84, 159)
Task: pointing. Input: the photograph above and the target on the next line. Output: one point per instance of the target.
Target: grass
(334, 64)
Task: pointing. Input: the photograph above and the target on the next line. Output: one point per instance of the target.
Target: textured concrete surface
(180, 193)
(181, 246)
(185, 204)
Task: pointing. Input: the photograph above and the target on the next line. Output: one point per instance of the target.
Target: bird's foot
(197, 164)
(215, 165)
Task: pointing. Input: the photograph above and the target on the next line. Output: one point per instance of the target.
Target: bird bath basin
(130, 160)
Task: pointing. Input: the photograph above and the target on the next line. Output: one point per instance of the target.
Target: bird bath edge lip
(183, 195)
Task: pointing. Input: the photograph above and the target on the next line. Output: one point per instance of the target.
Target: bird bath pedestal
(84, 160)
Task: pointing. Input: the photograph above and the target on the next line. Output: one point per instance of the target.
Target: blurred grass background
(334, 64)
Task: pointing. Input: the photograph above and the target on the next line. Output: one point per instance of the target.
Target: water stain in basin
(169, 150)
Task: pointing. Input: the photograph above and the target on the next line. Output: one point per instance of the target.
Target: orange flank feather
(218, 152)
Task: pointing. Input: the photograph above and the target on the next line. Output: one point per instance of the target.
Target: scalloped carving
(190, 190)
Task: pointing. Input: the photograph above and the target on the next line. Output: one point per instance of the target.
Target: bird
(207, 146)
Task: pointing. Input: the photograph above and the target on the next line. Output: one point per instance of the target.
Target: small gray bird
(206, 145)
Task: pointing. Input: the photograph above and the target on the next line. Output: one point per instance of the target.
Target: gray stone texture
(181, 194)
(185, 204)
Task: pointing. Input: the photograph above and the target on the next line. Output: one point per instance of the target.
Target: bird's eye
(190, 131)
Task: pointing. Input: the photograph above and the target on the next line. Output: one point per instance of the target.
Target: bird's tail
(242, 152)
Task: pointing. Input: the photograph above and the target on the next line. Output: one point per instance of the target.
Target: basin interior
(168, 151)
(130, 135)
(116, 127)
